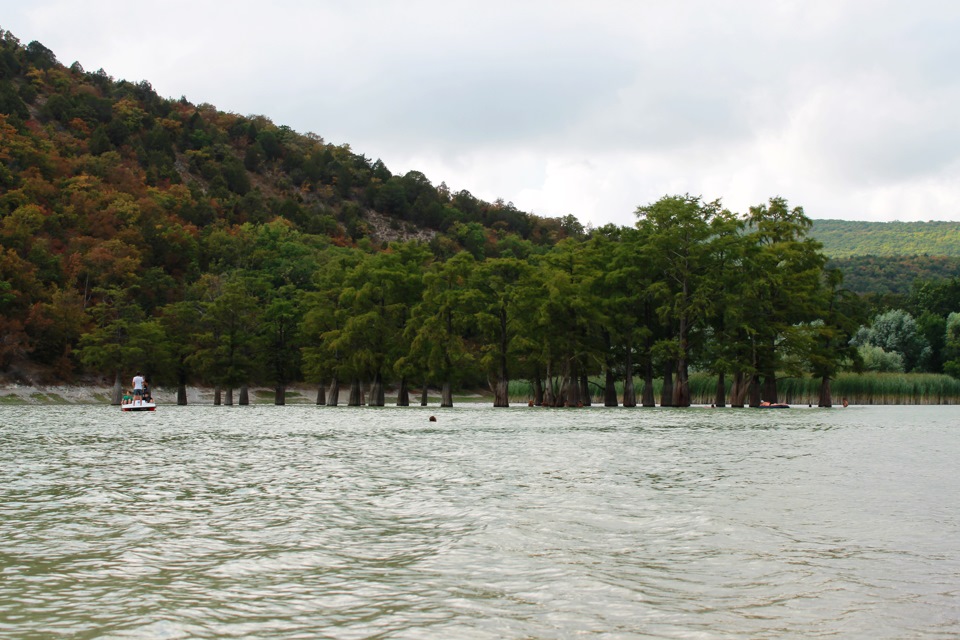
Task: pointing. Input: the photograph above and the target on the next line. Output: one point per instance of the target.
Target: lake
(345, 522)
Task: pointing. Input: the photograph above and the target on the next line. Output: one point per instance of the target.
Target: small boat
(773, 405)
(138, 405)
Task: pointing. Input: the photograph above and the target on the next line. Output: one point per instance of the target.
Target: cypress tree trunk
(538, 391)
(403, 394)
(356, 394)
(228, 397)
(181, 381)
(321, 396)
(738, 391)
(446, 398)
(333, 395)
(572, 385)
(423, 396)
(501, 394)
(280, 395)
(648, 399)
(770, 387)
(182, 393)
(549, 397)
(754, 390)
(585, 390)
(767, 368)
(826, 397)
(216, 396)
(629, 393)
(610, 389)
(117, 390)
(666, 393)
(721, 396)
(244, 395)
(564, 398)
(681, 390)
(377, 398)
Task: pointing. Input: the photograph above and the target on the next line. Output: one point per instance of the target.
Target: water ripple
(307, 522)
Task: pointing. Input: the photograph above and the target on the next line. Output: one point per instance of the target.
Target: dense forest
(847, 238)
(893, 275)
(205, 247)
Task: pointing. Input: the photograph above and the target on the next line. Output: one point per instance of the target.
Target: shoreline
(20, 394)
(16, 394)
(65, 394)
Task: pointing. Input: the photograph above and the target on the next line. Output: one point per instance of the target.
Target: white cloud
(846, 107)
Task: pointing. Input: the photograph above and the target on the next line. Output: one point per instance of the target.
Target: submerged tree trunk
(280, 394)
(770, 387)
(333, 395)
(424, 396)
(565, 397)
(648, 398)
(321, 396)
(767, 368)
(666, 393)
(609, 389)
(681, 390)
(721, 396)
(244, 395)
(446, 396)
(117, 390)
(754, 390)
(538, 391)
(377, 398)
(501, 394)
(228, 397)
(585, 398)
(356, 394)
(738, 391)
(217, 396)
(182, 393)
(571, 387)
(629, 392)
(549, 395)
(403, 394)
(549, 399)
(826, 397)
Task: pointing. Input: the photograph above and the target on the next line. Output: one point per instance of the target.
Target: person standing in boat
(138, 387)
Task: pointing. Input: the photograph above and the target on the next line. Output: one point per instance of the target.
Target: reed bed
(865, 388)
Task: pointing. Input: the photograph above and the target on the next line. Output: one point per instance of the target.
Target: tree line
(691, 285)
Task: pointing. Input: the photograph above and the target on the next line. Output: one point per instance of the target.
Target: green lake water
(337, 522)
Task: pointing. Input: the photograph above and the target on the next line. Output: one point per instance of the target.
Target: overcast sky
(849, 108)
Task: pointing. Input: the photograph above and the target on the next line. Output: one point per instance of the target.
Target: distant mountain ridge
(848, 238)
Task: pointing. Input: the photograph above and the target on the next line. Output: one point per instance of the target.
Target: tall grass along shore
(866, 388)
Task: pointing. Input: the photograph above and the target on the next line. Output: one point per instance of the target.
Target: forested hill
(844, 239)
(85, 136)
(894, 274)
(889, 257)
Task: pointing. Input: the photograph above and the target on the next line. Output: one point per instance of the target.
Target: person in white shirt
(138, 386)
